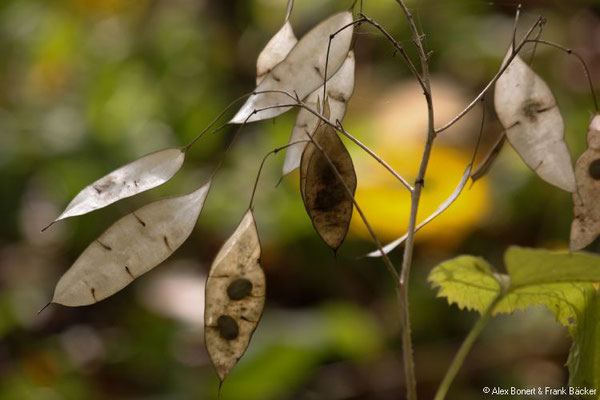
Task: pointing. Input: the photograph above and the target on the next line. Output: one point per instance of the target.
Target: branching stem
(472, 104)
(407, 347)
(340, 129)
(586, 71)
(274, 151)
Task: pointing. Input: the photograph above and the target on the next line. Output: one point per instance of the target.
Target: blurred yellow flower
(400, 125)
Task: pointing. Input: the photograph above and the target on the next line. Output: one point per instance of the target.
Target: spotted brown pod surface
(326, 197)
(586, 222)
(235, 297)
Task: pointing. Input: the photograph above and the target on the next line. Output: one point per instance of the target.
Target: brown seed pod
(586, 222)
(235, 297)
(326, 199)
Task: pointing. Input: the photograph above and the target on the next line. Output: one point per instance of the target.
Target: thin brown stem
(386, 260)
(494, 79)
(214, 121)
(274, 151)
(388, 263)
(340, 129)
(331, 37)
(515, 26)
(407, 347)
(567, 50)
(398, 48)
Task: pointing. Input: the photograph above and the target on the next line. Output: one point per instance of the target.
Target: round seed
(228, 328)
(594, 169)
(239, 289)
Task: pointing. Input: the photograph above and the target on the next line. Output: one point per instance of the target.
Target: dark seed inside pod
(594, 169)
(228, 328)
(239, 289)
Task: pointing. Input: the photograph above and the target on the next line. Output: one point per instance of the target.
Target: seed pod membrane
(275, 51)
(131, 247)
(586, 222)
(138, 176)
(302, 71)
(489, 158)
(326, 200)
(235, 297)
(339, 90)
(528, 112)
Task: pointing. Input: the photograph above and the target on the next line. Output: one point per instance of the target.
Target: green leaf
(557, 280)
(584, 357)
(466, 281)
(561, 281)
(534, 266)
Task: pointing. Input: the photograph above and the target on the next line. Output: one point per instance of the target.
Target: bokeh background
(89, 85)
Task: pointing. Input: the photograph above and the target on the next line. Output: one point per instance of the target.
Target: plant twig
(388, 263)
(340, 129)
(214, 121)
(407, 348)
(567, 50)
(464, 350)
(386, 260)
(274, 151)
(331, 37)
(472, 104)
(398, 47)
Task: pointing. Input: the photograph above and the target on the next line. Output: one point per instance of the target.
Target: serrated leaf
(561, 281)
(535, 277)
(534, 126)
(586, 221)
(131, 247)
(443, 207)
(302, 71)
(466, 281)
(339, 90)
(326, 200)
(235, 297)
(138, 176)
(275, 51)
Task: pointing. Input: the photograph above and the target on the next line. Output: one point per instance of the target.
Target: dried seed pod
(586, 222)
(339, 90)
(528, 112)
(235, 297)
(327, 201)
(138, 176)
(275, 51)
(131, 247)
(302, 71)
(489, 158)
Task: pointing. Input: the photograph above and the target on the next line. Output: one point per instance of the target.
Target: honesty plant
(315, 74)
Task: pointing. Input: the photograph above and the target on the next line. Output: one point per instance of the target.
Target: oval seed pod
(586, 222)
(327, 201)
(138, 176)
(235, 297)
(302, 71)
(339, 90)
(131, 247)
(528, 112)
(275, 51)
